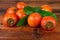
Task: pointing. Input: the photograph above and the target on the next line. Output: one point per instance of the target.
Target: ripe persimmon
(34, 19)
(20, 5)
(46, 8)
(48, 23)
(10, 17)
(20, 13)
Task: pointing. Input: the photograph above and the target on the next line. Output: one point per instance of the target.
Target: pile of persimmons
(33, 16)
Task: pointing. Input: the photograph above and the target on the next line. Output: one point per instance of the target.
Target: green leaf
(22, 21)
(28, 10)
(46, 13)
(37, 9)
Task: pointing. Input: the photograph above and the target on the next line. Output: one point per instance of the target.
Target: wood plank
(54, 4)
(56, 11)
(27, 33)
(41, 0)
(25, 28)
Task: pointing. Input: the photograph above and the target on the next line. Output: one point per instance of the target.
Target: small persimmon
(10, 17)
(34, 19)
(46, 8)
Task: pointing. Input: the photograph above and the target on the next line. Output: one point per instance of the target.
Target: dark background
(55, 4)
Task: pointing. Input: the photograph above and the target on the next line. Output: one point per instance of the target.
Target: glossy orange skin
(34, 19)
(47, 19)
(9, 14)
(20, 13)
(46, 8)
(20, 5)
(10, 10)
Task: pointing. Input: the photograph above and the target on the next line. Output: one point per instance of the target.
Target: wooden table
(27, 33)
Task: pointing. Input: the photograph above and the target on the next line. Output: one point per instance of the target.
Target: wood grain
(54, 3)
(25, 32)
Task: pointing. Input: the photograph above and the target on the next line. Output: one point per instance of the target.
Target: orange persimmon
(46, 8)
(10, 17)
(34, 19)
(20, 13)
(20, 5)
(48, 23)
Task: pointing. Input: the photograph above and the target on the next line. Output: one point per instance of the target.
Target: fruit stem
(10, 22)
(49, 25)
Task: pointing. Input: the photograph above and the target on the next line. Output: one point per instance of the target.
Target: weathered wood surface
(55, 4)
(25, 32)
